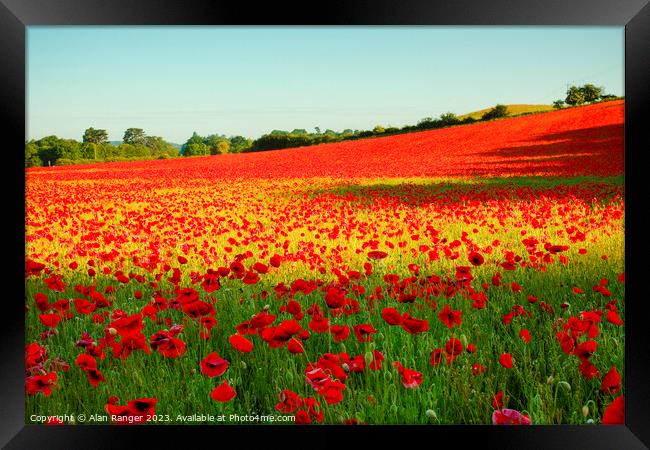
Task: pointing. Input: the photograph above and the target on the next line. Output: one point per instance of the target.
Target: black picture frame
(634, 15)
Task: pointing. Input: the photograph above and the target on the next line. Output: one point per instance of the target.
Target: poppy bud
(463, 339)
(431, 414)
(243, 364)
(549, 380)
(585, 411)
(289, 376)
(345, 367)
(267, 307)
(565, 385)
(393, 408)
(372, 347)
(368, 357)
(379, 337)
(112, 331)
(343, 347)
(590, 421)
(388, 375)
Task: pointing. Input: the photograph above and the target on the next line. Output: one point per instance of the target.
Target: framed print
(407, 219)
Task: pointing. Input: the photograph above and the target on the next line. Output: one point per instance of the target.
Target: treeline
(579, 95)
(279, 139)
(136, 145)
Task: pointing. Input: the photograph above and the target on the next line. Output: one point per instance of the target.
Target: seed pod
(431, 414)
(585, 411)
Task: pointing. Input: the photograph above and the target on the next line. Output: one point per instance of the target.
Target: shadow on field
(459, 192)
(592, 150)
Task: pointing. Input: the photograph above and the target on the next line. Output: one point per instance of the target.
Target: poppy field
(468, 275)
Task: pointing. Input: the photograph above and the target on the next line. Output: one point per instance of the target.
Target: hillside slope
(575, 141)
(513, 110)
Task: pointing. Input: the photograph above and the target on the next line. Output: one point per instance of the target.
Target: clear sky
(172, 81)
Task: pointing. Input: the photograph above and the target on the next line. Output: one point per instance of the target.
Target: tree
(31, 155)
(195, 146)
(135, 136)
(591, 93)
(95, 136)
(574, 96)
(497, 112)
(558, 104)
(317, 130)
(378, 129)
(239, 143)
(223, 147)
(449, 119)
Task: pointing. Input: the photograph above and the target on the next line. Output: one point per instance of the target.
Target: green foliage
(574, 96)
(94, 136)
(558, 104)
(591, 93)
(135, 136)
(31, 155)
(495, 113)
(239, 144)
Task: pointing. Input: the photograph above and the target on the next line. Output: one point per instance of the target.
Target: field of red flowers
(466, 275)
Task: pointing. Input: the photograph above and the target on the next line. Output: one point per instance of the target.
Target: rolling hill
(513, 109)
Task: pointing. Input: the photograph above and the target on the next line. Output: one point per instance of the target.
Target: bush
(495, 113)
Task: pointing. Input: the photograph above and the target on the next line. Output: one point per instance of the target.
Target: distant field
(514, 110)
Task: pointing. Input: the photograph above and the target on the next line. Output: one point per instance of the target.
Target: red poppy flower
(275, 260)
(588, 370)
(49, 320)
(525, 335)
(288, 401)
(173, 349)
(40, 383)
(142, 406)
(240, 343)
(34, 355)
(436, 356)
(615, 412)
(506, 360)
(613, 317)
(41, 302)
(332, 391)
(364, 332)
(85, 361)
(476, 258)
(94, 376)
(509, 417)
(413, 325)
(497, 400)
(295, 346)
(410, 378)
(129, 325)
(213, 365)
(450, 317)
(376, 254)
(223, 393)
(585, 350)
(391, 316)
(611, 382)
(340, 332)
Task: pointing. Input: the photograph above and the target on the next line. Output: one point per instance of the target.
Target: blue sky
(172, 81)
